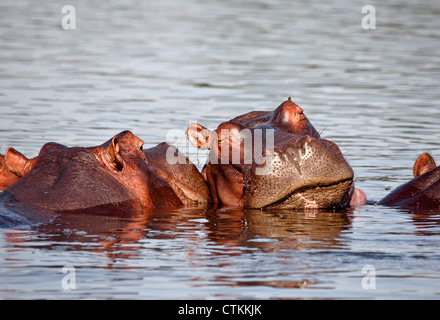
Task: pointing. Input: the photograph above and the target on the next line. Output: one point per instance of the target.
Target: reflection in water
(426, 222)
(209, 246)
(374, 92)
(310, 229)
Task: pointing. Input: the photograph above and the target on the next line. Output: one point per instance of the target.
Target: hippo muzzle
(299, 173)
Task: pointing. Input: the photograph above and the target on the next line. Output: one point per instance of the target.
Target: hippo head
(422, 192)
(112, 177)
(424, 163)
(274, 160)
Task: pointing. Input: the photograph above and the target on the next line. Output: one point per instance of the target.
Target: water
(152, 67)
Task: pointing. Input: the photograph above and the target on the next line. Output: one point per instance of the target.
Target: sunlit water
(155, 67)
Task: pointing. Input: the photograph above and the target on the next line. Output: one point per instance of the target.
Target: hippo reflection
(300, 170)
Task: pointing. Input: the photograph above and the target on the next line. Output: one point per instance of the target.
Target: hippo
(296, 169)
(423, 192)
(113, 178)
(182, 175)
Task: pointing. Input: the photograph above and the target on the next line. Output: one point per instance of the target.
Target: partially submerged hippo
(296, 169)
(113, 178)
(423, 191)
(182, 175)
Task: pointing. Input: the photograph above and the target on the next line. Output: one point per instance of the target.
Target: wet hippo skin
(182, 176)
(423, 191)
(6, 177)
(301, 169)
(113, 178)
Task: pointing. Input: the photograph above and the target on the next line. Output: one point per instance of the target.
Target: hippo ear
(17, 163)
(424, 164)
(199, 136)
(114, 151)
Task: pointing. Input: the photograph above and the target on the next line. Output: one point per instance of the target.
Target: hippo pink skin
(303, 170)
(423, 192)
(114, 178)
(6, 176)
(14, 165)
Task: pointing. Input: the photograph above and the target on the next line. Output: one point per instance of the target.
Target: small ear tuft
(16, 162)
(424, 164)
(199, 136)
(114, 151)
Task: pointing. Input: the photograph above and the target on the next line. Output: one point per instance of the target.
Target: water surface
(154, 67)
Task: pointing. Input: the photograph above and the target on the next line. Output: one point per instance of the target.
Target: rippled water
(152, 67)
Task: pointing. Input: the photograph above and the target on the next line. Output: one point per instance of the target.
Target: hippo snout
(307, 172)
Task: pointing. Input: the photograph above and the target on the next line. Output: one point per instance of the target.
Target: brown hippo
(423, 191)
(296, 169)
(182, 176)
(113, 178)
